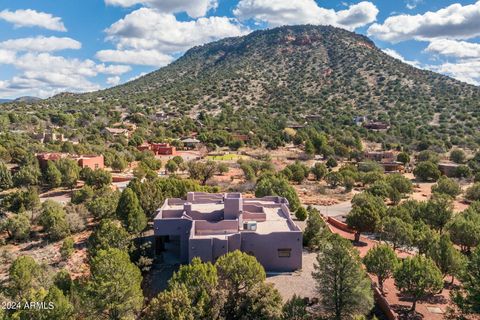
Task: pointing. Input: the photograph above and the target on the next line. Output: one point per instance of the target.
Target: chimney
(233, 206)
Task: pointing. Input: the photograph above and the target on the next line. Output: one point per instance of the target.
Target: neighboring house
(241, 137)
(376, 126)
(379, 156)
(190, 143)
(158, 148)
(49, 136)
(210, 225)
(359, 120)
(386, 159)
(448, 169)
(314, 117)
(393, 166)
(43, 158)
(117, 132)
(91, 161)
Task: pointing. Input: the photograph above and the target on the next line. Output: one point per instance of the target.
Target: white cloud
(288, 12)
(195, 9)
(453, 22)
(32, 18)
(140, 57)
(113, 81)
(453, 48)
(40, 44)
(43, 74)
(464, 70)
(140, 30)
(6, 56)
(140, 40)
(398, 56)
(412, 4)
(113, 69)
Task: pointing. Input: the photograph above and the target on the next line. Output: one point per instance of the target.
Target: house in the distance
(210, 225)
(158, 148)
(91, 161)
(448, 169)
(117, 132)
(386, 159)
(379, 156)
(191, 143)
(376, 126)
(49, 136)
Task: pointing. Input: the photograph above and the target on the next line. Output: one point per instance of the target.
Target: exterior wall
(220, 247)
(203, 227)
(180, 227)
(448, 169)
(265, 249)
(91, 162)
(158, 148)
(234, 242)
(201, 248)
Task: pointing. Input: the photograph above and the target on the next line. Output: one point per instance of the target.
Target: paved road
(336, 210)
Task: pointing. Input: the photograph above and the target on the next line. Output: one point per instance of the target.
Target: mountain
(27, 99)
(296, 71)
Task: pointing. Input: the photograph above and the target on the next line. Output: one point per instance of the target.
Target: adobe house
(379, 156)
(210, 225)
(117, 132)
(190, 143)
(158, 148)
(91, 161)
(241, 137)
(376, 126)
(448, 169)
(393, 166)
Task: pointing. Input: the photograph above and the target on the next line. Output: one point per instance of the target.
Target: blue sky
(53, 46)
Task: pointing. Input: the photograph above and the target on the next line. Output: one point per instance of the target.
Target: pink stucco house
(209, 225)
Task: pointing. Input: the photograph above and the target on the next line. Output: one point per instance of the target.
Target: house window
(284, 253)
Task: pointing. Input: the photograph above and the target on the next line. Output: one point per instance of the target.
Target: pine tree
(6, 181)
(342, 284)
(418, 277)
(130, 213)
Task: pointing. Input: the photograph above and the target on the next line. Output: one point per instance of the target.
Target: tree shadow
(405, 313)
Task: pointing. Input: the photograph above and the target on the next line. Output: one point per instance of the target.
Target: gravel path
(299, 282)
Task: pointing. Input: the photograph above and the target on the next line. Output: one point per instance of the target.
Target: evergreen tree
(114, 288)
(130, 213)
(54, 221)
(448, 259)
(70, 172)
(314, 232)
(365, 216)
(381, 261)
(342, 284)
(6, 181)
(201, 281)
(418, 277)
(52, 176)
(238, 273)
(171, 304)
(468, 297)
(108, 234)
